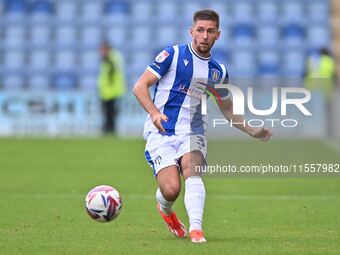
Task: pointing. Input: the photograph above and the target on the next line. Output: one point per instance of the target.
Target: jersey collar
(196, 54)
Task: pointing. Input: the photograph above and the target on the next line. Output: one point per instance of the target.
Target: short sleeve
(162, 62)
(223, 93)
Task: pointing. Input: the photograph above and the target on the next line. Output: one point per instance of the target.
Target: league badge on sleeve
(162, 56)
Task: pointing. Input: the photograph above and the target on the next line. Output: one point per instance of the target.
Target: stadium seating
(65, 36)
(117, 12)
(88, 81)
(90, 36)
(268, 36)
(166, 35)
(40, 36)
(243, 62)
(14, 60)
(293, 35)
(318, 36)
(65, 60)
(89, 61)
(243, 12)
(39, 61)
(39, 81)
(293, 63)
(41, 11)
(269, 64)
(13, 81)
(267, 12)
(292, 11)
(166, 11)
(64, 80)
(117, 36)
(141, 37)
(142, 11)
(243, 35)
(15, 10)
(91, 12)
(318, 12)
(14, 36)
(57, 41)
(66, 11)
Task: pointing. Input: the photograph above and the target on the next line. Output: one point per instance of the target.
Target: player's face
(204, 34)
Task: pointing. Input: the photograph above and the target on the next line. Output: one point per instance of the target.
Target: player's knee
(191, 164)
(171, 191)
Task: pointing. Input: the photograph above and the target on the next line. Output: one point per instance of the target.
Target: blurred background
(50, 57)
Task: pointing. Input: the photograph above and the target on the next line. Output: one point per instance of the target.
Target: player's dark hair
(207, 14)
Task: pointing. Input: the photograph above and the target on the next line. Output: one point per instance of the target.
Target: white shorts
(162, 151)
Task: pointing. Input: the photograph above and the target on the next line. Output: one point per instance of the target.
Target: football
(103, 203)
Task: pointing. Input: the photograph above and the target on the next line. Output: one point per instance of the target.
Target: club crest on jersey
(215, 74)
(162, 56)
(158, 160)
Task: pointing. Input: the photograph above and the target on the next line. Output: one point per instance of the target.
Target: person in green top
(320, 77)
(320, 74)
(111, 85)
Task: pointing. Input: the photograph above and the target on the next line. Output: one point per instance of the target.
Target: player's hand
(263, 134)
(157, 119)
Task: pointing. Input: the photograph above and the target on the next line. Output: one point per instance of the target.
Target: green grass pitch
(43, 183)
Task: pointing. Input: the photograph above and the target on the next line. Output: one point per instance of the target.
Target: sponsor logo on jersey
(192, 91)
(156, 65)
(162, 56)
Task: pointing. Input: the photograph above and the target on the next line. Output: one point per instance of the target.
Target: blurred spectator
(320, 73)
(320, 76)
(111, 84)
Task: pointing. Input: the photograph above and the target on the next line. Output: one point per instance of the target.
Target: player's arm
(238, 121)
(141, 91)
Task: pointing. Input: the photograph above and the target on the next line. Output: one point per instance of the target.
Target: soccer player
(175, 128)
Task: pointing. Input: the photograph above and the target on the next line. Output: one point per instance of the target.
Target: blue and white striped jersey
(184, 77)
